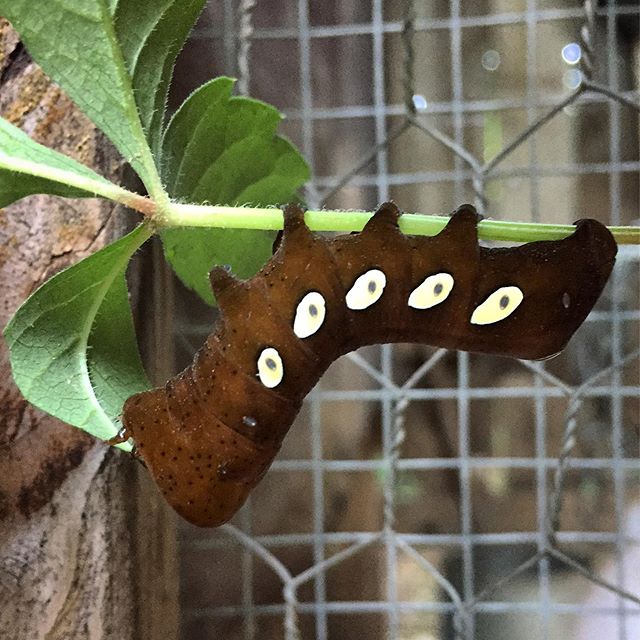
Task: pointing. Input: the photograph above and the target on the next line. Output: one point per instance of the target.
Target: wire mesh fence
(425, 494)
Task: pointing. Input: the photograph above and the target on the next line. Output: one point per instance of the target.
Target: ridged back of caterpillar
(210, 434)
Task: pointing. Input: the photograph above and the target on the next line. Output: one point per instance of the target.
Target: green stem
(97, 186)
(190, 215)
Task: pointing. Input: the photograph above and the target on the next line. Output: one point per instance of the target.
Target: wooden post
(87, 548)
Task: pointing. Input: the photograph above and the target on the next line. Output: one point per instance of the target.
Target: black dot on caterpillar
(320, 298)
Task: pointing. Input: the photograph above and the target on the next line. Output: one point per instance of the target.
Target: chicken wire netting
(427, 494)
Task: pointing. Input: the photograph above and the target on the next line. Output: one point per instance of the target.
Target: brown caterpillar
(211, 433)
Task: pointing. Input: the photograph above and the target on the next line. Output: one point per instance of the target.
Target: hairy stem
(190, 215)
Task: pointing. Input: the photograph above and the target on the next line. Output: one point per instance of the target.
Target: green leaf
(27, 167)
(194, 252)
(72, 343)
(151, 34)
(224, 150)
(75, 43)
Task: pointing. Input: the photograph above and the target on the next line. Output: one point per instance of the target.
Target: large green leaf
(27, 167)
(75, 43)
(151, 34)
(224, 150)
(92, 48)
(72, 343)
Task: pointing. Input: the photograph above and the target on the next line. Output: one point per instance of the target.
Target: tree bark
(87, 550)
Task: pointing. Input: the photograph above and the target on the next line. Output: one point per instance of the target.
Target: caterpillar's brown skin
(211, 433)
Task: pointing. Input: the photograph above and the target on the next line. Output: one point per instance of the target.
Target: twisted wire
(408, 45)
(587, 37)
(245, 33)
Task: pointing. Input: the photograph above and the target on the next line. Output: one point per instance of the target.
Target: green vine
(189, 215)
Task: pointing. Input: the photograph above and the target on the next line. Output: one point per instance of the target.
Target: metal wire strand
(245, 33)
(408, 44)
(587, 35)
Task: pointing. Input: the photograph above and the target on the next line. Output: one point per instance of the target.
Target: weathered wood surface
(86, 549)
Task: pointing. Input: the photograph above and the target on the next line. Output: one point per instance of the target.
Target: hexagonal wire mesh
(425, 494)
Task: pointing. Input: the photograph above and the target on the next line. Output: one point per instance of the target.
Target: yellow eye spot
(498, 306)
(433, 290)
(270, 368)
(366, 290)
(310, 314)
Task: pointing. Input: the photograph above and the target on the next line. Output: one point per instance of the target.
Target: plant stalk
(222, 217)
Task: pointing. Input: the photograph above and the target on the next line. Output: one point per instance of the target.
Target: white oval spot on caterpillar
(433, 290)
(500, 304)
(366, 290)
(310, 314)
(270, 368)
